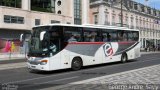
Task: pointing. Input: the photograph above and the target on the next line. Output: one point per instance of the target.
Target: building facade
(134, 16)
(19, 16)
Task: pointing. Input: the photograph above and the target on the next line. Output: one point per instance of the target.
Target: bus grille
(34, 62)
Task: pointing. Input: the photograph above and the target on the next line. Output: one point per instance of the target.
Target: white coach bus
(61, 46)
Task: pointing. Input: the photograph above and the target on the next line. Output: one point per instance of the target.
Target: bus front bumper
(38, 67)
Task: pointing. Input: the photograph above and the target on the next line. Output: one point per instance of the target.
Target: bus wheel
(124, 58)
(76, 64)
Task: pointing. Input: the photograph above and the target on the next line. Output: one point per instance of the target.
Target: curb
(15, 60)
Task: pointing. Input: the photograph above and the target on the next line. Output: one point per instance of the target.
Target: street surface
(18, 76)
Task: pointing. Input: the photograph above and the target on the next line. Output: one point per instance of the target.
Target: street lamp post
(121, 13)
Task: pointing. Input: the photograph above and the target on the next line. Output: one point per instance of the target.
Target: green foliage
(11, 3)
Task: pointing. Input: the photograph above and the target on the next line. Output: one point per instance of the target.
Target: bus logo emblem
(108, 50)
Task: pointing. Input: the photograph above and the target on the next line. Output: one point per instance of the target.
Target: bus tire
(124, 58)
(76, 63)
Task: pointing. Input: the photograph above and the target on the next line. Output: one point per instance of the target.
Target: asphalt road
(25, 80)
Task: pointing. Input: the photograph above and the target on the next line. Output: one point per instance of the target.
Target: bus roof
(90, 26)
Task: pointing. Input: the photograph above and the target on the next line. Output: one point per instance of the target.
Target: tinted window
(72, 34)
(122, 35)
(113, 35)
(133, 36)
(92, 35)
(106, 36)
(109, 35)
(13, 19)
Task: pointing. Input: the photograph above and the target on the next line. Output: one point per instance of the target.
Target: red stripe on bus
(86, 42)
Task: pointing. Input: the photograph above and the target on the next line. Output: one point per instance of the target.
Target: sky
(152, 3)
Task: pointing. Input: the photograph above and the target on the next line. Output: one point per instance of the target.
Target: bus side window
(130, 36)
(72, 34)
(91, 35)
(113, 36)
(106, 37)
(122, 36)
(125, 35)
(86, 36)
(135, 36)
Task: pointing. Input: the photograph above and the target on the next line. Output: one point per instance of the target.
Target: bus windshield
(45, 47)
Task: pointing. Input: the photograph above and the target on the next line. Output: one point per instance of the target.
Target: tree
(7, 2)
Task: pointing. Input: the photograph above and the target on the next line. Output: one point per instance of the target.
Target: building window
(13, 19)
(127, 20)
(11, 3)
(131, 4)
(106, 20)
(144, 23)
(113, 20)
(37, 21)
(149, 10)
(132, 25)
(120, 19)
(59, 3)
(68, 23)
(59, 12)
(95, 19)
(136, 6)
(154, 12)
(142, 8)
(54, 21)
(77, 12)
(137, 22)
(43, 5)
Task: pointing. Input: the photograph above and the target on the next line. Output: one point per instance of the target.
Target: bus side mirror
(42, 35)
(21, 37)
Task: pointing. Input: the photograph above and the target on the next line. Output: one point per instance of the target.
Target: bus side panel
(68, 56)
(55, 62)
(87, 60)
(109, 50)
(134, 52)
(85, 50)
(99, 56)
(65, 59)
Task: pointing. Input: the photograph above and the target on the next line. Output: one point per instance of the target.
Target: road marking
(73, 72)
(66, 78)
(60, 79)
(51, 81)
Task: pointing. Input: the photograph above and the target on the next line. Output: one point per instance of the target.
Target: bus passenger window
(113, 36)
(106, 37)
(120, 36)
(135, 36)
(92, 37)
(86, 37)
(72, 39)
(72, 34)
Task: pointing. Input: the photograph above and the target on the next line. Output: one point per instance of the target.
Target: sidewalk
(147, 78)
(151, 52)
(7, 56)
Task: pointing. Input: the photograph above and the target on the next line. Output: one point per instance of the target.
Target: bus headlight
(43, 62)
